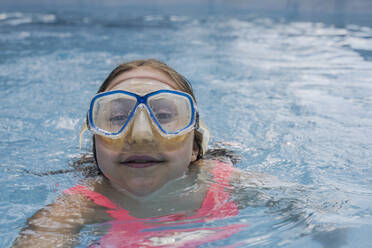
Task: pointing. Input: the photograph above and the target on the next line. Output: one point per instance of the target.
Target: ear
(195, 152)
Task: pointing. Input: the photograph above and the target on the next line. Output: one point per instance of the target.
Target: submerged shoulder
(237, 176)
(58, 223)
(74, 202)
(245, 178)
(71, 206)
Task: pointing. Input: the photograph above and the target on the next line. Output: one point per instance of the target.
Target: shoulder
(75, 203)
(75, 196)
(208, 165)
(239, 177)
(217, 169)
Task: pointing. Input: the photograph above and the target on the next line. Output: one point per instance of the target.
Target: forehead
(141, 86)
(142, 80)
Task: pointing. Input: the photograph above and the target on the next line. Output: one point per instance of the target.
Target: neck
(172, 189)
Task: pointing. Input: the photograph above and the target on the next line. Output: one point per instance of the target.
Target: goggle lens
(172, 112)
(111, 112)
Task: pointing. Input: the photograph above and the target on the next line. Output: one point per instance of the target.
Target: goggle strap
(82, 131)
(197, 120)
(205, 136)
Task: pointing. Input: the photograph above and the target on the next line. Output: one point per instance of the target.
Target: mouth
(141, 161)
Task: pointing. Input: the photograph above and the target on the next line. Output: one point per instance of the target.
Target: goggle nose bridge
(141, 100)
(142, 104)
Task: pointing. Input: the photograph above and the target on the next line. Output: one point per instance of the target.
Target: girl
(149, 145)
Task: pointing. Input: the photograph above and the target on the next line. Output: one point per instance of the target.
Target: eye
(165, 117)
(118, 119)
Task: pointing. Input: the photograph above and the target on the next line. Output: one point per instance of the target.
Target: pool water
(293, 97)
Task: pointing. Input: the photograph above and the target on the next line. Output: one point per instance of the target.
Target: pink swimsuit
(131, 232)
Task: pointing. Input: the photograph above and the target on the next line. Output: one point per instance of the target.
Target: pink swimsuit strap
(214, 205)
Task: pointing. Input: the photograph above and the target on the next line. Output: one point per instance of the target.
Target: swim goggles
(172, 112)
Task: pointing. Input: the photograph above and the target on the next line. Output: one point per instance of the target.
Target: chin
(142, 193)
(142, 188)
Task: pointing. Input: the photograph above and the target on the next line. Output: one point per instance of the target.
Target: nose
(141, 127)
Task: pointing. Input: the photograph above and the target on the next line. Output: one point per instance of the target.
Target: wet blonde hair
(180, 81)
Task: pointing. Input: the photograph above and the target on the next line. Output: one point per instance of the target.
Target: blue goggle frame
(142, 100)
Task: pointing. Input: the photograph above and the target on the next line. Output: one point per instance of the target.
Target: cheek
(105, 156)
(111, 144)
(180, 152)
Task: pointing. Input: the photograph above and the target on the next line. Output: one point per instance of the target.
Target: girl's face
(142, 161)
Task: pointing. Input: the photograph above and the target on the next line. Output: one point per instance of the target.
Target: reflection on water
(292, 98)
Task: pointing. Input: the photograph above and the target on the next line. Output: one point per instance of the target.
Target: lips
(141, 161)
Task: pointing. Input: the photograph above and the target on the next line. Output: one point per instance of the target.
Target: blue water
(292, 96)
